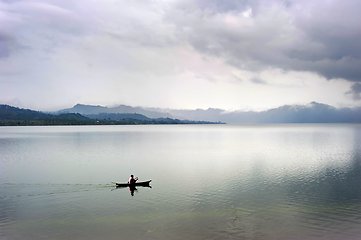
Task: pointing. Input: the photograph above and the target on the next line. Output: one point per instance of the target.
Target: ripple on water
(226, 182)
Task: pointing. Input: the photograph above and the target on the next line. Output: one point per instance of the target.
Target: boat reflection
(133, 187)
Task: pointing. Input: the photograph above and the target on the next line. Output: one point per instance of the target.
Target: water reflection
(132, 189)
(326, 202)
(221, 182)
(331, 185)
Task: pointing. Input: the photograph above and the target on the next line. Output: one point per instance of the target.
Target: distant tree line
(12, 116)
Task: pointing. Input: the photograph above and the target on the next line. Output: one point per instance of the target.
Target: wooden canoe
(143, 184)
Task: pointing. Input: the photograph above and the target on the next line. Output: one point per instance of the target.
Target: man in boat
(132, 180)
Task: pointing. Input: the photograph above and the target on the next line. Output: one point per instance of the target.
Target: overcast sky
(182, 54)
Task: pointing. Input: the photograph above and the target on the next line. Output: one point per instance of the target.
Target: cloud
(250, 35)
(37, 25)
(257, 80)
(320, 37)
(179, 53)
(355, 91)
(6, 45)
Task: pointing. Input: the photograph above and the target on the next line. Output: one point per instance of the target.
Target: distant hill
(15, 116)
(93, 110)
(84, 109)
(87, 114)
(10, 116)
(117, 116)
(311, 113)
(12, 113)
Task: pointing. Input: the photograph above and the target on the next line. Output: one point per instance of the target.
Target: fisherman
(132, 180)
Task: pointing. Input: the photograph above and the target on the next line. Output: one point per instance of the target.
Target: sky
(181, 54)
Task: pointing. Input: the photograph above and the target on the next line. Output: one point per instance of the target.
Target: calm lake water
(208, 182)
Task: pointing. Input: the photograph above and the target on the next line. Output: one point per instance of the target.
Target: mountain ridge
(92, 109)
(11, 116)
(313, 112)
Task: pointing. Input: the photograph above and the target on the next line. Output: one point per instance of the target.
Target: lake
(281, 181)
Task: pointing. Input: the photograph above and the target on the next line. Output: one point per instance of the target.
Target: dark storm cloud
(323, 37)
(355, 91)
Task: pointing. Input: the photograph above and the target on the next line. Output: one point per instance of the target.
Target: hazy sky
(234, 55)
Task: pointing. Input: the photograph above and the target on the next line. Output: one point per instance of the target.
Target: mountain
(311, 113)
(84, 109)
(117, 116)
(15, 116)
(10, 116)
(12, 113)
(92, 110)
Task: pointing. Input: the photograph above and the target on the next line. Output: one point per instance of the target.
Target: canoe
(143, 184)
